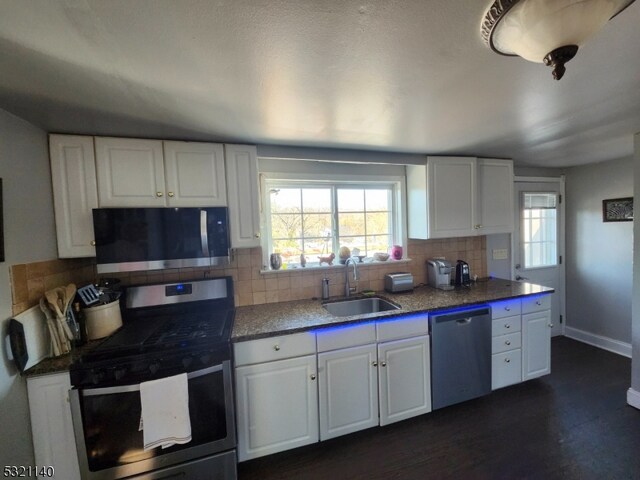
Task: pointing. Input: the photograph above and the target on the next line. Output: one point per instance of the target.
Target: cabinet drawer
(506, 308)
(403, 327)
(504, 343)
(274, 348)
(536, 304)
(345, 337)
(506, 368)
(502, 326)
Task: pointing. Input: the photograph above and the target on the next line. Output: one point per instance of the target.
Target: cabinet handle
(159, 194)
(170, 194)
(276, 348)
(507, 360)
(375, 364)
(477, 227)
(538, 302)
(551, 325)
(93, 243)
(506, 325)
(384, 364)
(507, 342)
(257, 235)
(507, 309)
(313, 376)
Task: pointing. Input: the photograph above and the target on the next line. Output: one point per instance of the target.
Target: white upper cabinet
(459, 197)
(75, 193)
(130, 172)
(153, 173)
(495, 193)
(194, 174)
(243, 195)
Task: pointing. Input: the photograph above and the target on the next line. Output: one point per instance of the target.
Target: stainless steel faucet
(348, 290)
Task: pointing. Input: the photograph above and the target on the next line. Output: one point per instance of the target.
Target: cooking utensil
(88, 294)
(55, 341)
(61, 292)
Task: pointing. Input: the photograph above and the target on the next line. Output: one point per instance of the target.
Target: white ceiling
(395, 75)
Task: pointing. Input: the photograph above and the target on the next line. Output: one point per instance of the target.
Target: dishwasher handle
(462, 316)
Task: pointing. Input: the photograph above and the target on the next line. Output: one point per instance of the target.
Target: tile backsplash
(29, 281)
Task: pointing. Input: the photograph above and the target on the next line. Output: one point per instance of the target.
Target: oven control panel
(178, 289)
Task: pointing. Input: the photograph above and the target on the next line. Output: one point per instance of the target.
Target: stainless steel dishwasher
(460, 356)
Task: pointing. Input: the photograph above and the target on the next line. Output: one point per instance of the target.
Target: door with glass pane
(538, 241)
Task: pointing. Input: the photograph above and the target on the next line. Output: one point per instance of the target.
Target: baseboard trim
(633, 398)
(606, 343)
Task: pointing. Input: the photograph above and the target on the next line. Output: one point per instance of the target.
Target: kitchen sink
(360, 306)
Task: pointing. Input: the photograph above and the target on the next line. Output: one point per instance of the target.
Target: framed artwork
(1, 226)
(617, 210)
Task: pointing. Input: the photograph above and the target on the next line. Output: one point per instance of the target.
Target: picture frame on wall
(1, 226)
(617, 210)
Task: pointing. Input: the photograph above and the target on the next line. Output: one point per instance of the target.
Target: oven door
(106, 425)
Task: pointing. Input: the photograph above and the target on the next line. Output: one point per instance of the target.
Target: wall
(598, 254)
(634, 393)
(29, 236)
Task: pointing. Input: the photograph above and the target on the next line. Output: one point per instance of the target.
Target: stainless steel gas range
(169, 329)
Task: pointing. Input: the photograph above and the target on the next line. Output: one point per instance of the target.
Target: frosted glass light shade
(534, 28)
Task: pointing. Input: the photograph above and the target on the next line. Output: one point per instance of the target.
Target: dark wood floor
(573, 424)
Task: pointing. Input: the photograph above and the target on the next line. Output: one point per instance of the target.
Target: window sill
(336, 266)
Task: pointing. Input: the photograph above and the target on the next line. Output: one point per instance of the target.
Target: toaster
(398, 282)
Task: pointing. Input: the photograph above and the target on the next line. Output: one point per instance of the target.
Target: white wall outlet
(500, 253)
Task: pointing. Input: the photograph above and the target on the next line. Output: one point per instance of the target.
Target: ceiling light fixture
(546, 31)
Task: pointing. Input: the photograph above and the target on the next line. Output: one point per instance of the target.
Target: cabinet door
(451, 188)
(75, 193)
(243, 195)
(194, 174)
(277, 406)
(348, 390)
(51, 426)
(536, 344)
(405, 380)
(130, 172)
(495, 196)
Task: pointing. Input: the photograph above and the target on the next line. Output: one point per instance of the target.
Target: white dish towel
(165, 412)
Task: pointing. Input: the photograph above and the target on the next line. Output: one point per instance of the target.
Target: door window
(539, 229)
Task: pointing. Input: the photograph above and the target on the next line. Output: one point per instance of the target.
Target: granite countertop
(260, 321)
(267, 320)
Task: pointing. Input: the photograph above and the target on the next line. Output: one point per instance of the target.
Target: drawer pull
(506, 325)
(507, 342)
(507, 360)
(384, 364)
(538, 302)
(551, 325)
(313, 376)
(276, 348)
(507, 309)
(375, 364)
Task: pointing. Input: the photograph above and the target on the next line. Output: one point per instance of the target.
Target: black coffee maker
(462, 273)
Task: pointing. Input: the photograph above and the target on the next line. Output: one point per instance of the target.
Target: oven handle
(89, 392)
(204, 237)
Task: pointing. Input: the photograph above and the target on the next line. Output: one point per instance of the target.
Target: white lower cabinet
(277, 406)
(404, 379)
(536, 344)
(348, 389)
(51, 425)
(521, 343)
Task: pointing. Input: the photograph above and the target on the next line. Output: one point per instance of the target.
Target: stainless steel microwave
(131, 239)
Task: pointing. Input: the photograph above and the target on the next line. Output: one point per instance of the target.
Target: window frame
(314, 180)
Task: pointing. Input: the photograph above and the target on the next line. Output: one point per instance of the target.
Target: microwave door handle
(204, 236)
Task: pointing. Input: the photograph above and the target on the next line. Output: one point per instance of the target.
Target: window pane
(378, 243)
(351, 223)
(314, 247)
(285, 200)
(286, 225)
(353, 242)
(377, 223)
(377, 199)
(350, 200)
(290, 249)
(317, 224)
(539, 229)
(316, 200)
